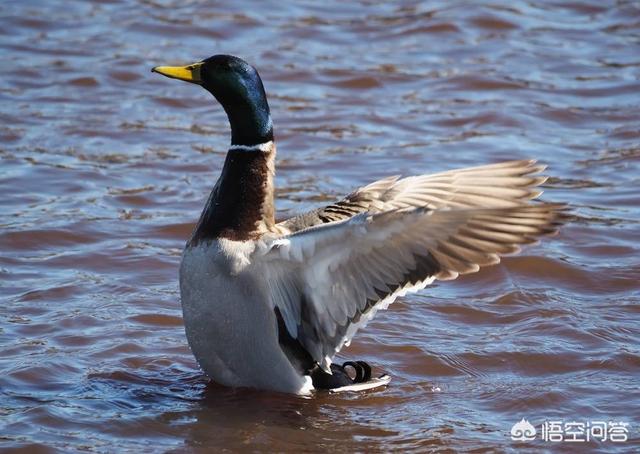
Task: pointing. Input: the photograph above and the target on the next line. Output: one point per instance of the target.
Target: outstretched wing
(493, 185)
(328, 280)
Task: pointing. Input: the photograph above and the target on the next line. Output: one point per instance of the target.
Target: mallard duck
(268, 304)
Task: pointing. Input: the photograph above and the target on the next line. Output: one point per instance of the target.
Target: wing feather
(334, 268)
(496, 185)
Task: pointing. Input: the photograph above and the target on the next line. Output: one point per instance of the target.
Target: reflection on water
(105, 167)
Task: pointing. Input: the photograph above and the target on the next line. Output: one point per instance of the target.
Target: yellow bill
(189, 73)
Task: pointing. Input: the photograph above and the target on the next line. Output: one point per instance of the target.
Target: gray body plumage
(230, 326)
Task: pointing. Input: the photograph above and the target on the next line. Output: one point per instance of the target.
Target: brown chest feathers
(240, 206)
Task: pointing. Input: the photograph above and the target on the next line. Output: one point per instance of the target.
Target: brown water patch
(84, 82)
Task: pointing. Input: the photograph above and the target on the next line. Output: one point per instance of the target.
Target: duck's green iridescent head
(238, 87)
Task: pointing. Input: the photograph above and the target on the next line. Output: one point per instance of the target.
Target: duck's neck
(250, 123)
(240, 206)
(248, 112)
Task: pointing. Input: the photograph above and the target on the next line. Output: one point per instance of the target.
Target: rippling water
(105, 167)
